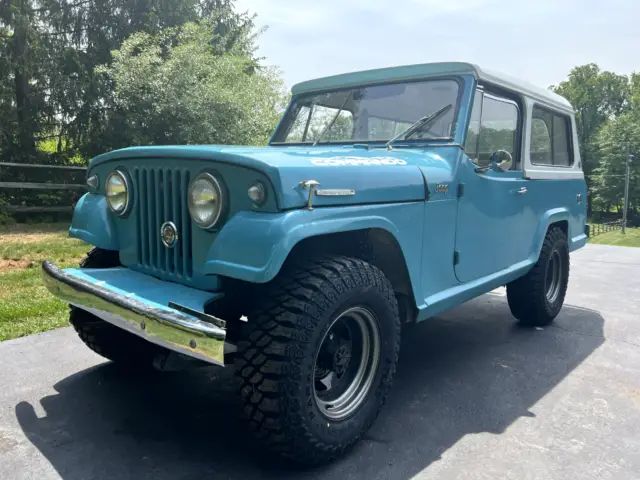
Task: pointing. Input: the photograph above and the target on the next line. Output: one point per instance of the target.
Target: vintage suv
(383, 198)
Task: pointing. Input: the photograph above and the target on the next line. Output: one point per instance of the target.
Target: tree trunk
(26, 142)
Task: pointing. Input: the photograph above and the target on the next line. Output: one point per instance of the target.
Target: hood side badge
(335, 192)
(312, 185)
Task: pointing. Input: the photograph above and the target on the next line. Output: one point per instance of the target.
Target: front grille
(162, 197)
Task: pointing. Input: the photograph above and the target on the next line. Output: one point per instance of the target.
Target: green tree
(23, 80)
(55, 107)
(635, 92)
(85, 34)
(179, 87)
(596, 96)
(49, 50)
(608, 179)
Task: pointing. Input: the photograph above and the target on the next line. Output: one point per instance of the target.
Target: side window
(560, 143)
(471, 143)
(498, 128)
(493, 127)
(550, 141)
(541, 141)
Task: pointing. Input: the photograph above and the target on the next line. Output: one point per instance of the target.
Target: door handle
(522, 191)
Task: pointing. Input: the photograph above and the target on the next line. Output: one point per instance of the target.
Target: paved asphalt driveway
(475, 397)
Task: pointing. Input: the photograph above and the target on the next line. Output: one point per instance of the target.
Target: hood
(375, 175)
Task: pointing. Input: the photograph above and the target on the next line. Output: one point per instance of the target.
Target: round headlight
(117, 192)
(205, 200)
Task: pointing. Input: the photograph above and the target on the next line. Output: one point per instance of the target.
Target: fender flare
(550, 217)
(239, 253)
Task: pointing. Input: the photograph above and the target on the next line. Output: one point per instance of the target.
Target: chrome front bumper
(165, 326)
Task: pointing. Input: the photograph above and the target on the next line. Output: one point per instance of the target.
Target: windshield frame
(286, 121)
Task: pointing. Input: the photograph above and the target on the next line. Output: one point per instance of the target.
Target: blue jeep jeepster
(383, 198)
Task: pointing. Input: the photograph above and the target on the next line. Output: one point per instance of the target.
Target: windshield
(368, 114)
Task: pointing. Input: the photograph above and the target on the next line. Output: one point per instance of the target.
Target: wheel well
(564, 226)
(373, 245)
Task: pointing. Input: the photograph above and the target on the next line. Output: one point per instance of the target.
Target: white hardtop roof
(413, 72)
(515, 84)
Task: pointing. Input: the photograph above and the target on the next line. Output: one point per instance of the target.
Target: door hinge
(456, 257)
(460, 190)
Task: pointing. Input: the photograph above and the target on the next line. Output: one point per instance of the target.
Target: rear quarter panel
(552, 201)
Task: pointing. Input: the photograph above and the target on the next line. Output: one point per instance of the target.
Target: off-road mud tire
(527, 296)
(276, 356)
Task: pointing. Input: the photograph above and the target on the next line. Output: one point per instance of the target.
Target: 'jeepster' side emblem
(169, 234)
(442, 188)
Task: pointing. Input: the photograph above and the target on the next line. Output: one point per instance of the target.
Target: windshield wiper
(419, 125)
(333, 120)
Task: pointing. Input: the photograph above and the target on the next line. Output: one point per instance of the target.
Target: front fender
(93, 224)
(252, 246)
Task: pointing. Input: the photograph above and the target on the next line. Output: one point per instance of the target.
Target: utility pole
(626, 190)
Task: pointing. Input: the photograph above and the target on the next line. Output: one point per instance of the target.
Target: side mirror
(501, 161)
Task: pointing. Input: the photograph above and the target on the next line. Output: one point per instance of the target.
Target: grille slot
(162, 197)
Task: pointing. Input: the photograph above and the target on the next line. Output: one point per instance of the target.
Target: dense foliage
(52, 84)
(81, 77)
(173, 88)
(601, 98)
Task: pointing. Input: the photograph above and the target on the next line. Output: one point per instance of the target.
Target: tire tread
(287, 321)
(526, 295)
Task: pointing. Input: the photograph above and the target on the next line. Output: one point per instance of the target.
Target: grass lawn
(26, 306)
(630, 239)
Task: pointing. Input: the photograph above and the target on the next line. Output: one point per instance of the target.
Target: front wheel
(536, 298)
(318, 356)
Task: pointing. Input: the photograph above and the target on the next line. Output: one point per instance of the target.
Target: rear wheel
(536, 298)
(105, 339)
(318, 356)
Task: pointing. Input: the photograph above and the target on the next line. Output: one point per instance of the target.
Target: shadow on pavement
(468, 371)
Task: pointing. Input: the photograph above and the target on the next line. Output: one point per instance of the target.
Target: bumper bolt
(192, 344)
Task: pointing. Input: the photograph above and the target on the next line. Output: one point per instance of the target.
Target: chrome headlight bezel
(127, 190)
(217, 212)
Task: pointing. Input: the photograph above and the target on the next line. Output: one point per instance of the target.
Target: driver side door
(491, 205)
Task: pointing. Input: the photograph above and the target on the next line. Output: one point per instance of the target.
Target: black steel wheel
(346, 363)
(318, 356)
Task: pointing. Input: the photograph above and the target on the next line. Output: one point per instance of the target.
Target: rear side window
(550, 139)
